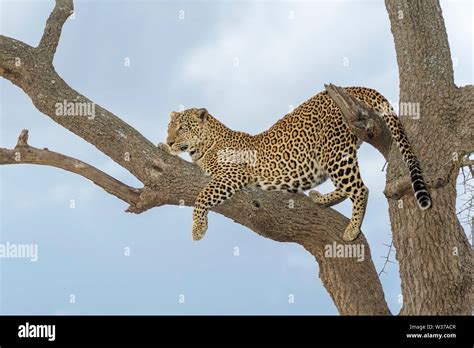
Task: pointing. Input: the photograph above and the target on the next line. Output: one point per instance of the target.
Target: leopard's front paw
(164, 147)
(199, 229)
(351, 233)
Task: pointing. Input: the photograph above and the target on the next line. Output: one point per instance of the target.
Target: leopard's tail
(398, 134)
(379, 103)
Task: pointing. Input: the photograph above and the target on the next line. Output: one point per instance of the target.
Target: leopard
(306, 147)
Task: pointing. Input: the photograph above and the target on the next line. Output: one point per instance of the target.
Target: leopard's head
(186, 130)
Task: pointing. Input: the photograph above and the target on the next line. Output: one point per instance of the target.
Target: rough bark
(432, 249)
(353, 286)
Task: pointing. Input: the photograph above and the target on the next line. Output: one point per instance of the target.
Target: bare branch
(467, 163)
(466, 210)
(367, 124)
(34, 74)
(24, 153)
(386, 258)
(53, 28)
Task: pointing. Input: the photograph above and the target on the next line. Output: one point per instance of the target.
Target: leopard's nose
(170, 143)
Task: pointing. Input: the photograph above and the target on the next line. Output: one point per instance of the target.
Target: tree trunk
(432, 249)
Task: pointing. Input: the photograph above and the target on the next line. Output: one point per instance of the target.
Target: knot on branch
(365, 122)
(148, 199)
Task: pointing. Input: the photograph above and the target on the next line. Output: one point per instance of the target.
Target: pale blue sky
(247, 63)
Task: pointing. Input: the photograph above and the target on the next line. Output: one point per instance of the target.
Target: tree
(432, 249)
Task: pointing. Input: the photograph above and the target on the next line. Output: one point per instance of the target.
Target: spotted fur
(299, 152)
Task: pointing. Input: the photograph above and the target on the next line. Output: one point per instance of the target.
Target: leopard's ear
(173, 114)
(202, 114)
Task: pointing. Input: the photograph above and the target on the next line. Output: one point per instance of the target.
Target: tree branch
(53, 28)
(442, 177)
(32, 71)
(24, 153)
(402, 186)
(467, 163)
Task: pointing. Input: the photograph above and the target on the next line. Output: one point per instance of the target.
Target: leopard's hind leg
(328, 199)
